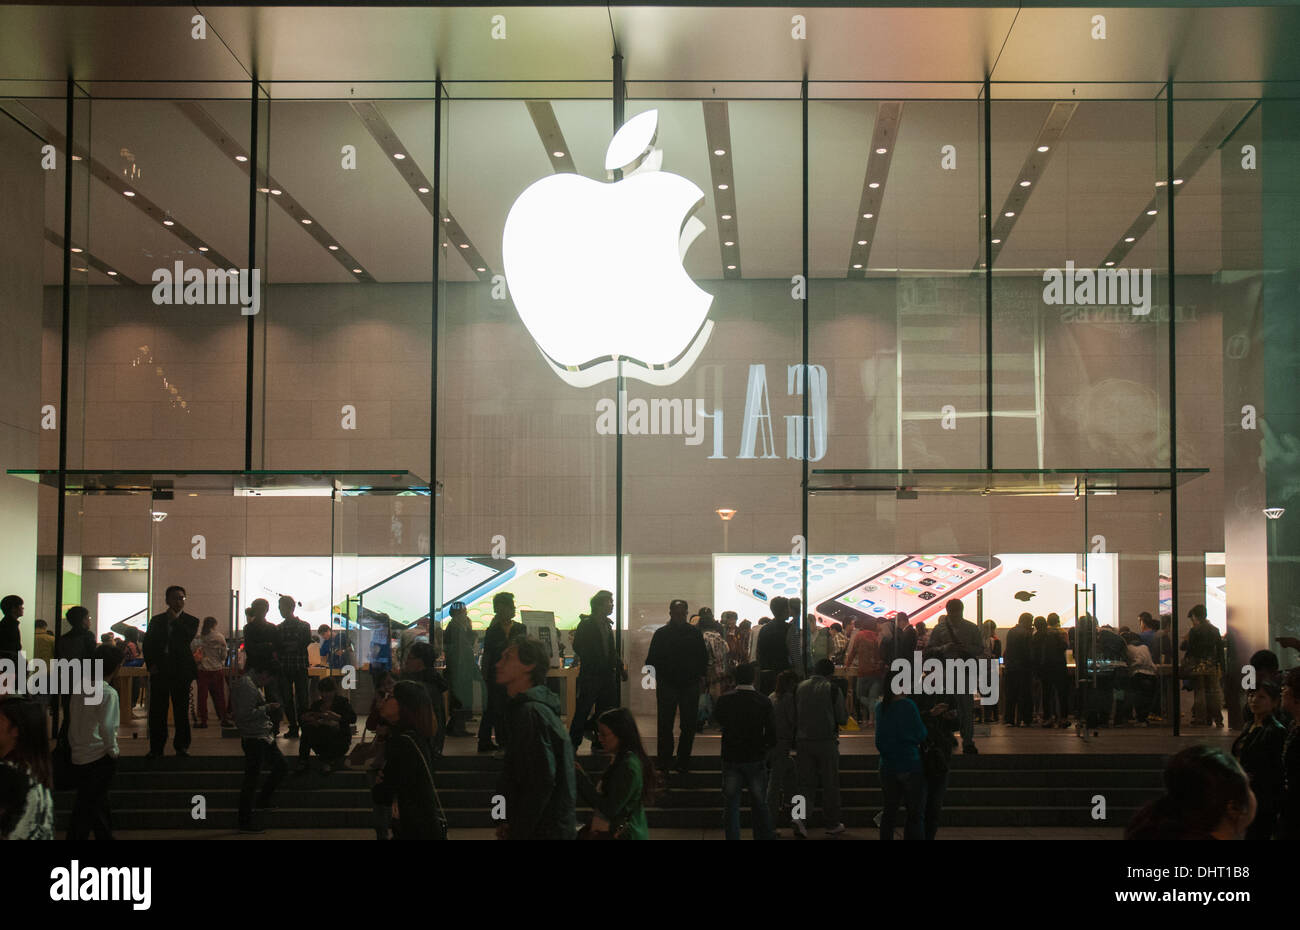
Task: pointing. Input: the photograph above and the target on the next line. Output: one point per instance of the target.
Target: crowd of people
(779, 730)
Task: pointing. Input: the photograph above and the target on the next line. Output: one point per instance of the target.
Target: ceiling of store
(1096, 183)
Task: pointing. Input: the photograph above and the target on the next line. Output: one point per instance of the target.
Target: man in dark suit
(171, 670)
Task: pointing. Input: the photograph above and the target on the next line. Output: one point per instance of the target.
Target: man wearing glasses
(171, 671)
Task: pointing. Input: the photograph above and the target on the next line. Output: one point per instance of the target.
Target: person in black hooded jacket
(538, 780)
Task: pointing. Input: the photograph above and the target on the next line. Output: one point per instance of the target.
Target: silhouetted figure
(459, 639)
(680, 660)
(773, 645)
(748, 735)
(252, 714)
(295, 637)
(599, 667)
(11, 637)
(92, 739)
(171, 671)
(538, 777)
(1018, 663)
(955, 637)
(820, 712)
(406, 781)
(1207, 797)
(501, 632)
(1259, 749)
(326, 728)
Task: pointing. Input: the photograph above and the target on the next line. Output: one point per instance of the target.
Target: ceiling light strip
(553, 141)
(89, 260)
(132, 195)
(884, 136)
(388, 140)
(1031, 172)
(268, 186)
(1213, 137)
(722, 174)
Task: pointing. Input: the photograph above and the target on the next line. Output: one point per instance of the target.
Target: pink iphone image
(918, 584)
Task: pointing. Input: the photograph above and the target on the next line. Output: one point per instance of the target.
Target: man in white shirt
(92, 738)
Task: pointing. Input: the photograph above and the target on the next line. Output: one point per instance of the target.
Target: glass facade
(948, 320)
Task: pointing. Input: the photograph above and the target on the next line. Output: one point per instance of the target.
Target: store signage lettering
(596, 271)
(189, 286)
(685, 417)
(1099, 287)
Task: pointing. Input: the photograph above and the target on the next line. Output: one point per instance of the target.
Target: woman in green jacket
(627, 786)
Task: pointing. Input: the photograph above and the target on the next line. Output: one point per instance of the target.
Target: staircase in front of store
(988, 790)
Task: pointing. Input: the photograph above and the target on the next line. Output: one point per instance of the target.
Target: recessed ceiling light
(203, 248)
(446, 219)
(333, 248)
(862, 242)
(111, 274)
(857, 266)
(74, 249)
(1025, 183)
(997, 241)
(728, 242)
(356, 271)
(275, 192)
(558, 154)
(1010, 213)
(1178, 181)
(423, 190)
(78, 269)
(1130, 239)
(731, 267)
(76, 158)
(1152, 212)
(867, 216)
(169, 222)
(1108, 264)
(873, 185)
(1161, 183)
(722, 187)
(464, 245)
(482, 269)
(881, 151)
(398, 155)
(719, 151)
(305, 221)
(264, 190)
(241, 158)
(128, 193)
(726, 216)
(1043, 148)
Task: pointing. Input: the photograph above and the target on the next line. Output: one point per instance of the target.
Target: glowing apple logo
(596, 272)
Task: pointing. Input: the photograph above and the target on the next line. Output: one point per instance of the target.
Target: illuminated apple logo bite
(595, 270)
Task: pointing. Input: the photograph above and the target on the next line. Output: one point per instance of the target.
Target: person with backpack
(820, 712)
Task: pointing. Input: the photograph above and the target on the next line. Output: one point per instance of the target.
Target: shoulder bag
(440, 819)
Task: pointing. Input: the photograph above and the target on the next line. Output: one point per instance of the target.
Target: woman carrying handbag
(406, 780)
(627, 786)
